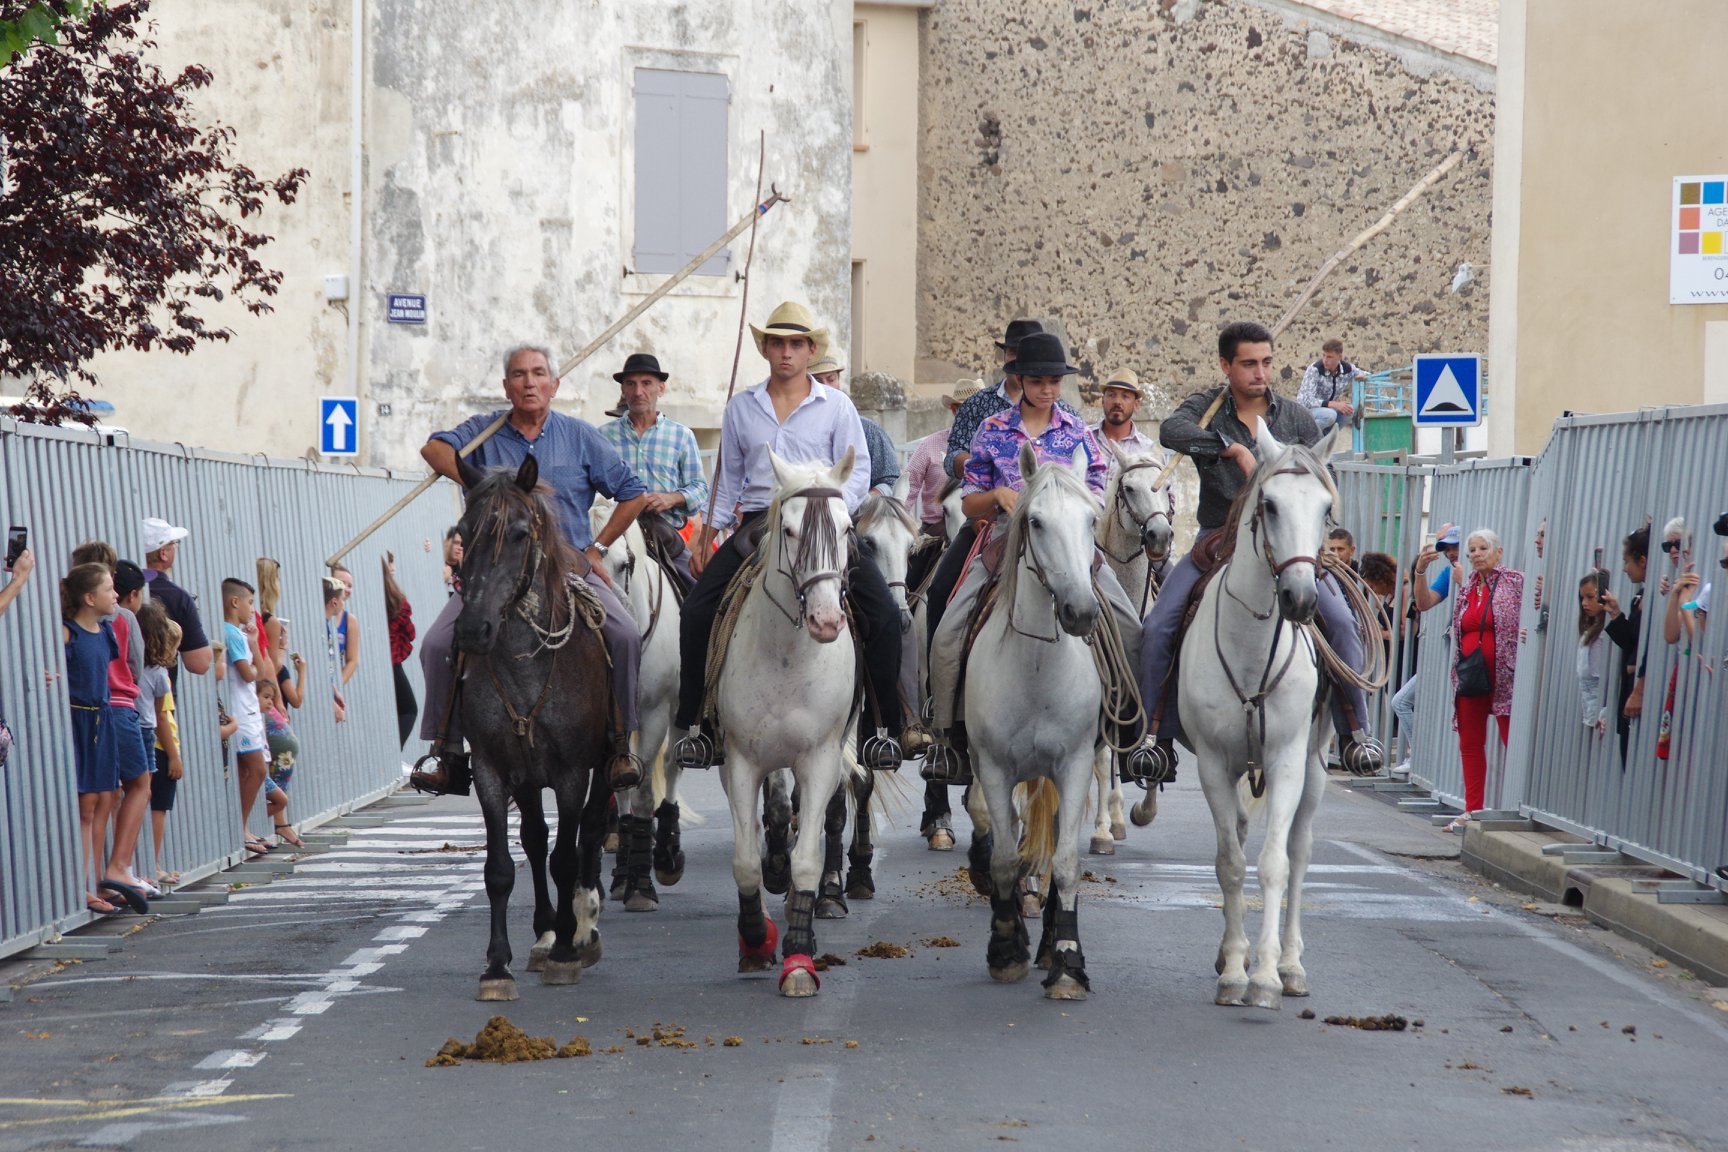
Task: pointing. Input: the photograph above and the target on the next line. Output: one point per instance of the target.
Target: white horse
(647, 852)
(1032, 704)
(785, 698)
(1249, 675)
(1134, 534)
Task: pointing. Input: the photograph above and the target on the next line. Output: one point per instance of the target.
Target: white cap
(158, 534)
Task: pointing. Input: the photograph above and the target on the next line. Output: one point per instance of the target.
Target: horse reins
(806, 545)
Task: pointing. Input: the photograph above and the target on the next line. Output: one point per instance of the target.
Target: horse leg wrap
(668, 848)
(800, 924)
(621, 859)
(834, 827)
(755, 931)
(1008, 936)
(859, 878)
(641, 850)
(1070, 962)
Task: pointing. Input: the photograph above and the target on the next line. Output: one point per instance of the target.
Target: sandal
(1458, 824)
(99, 906)
(167, 879)
(133, 897)
(289, 836)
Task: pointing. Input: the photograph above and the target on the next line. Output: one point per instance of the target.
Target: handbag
(1474, 677)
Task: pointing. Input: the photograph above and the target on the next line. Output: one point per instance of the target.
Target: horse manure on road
(501, 1042)
(1305, 1014)
(1386, 1023)
(828, 960)
(733, 1042)
(884, 950)
(942, 942)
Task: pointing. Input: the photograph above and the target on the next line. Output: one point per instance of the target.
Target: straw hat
(791, 319)
(826, 363)
(964, 390)
(1125, 379)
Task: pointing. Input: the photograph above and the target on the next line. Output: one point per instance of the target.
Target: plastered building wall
(1602, 106)
(1141, 172)
(498, 181)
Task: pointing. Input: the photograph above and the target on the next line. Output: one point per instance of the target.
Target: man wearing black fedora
(664, 456)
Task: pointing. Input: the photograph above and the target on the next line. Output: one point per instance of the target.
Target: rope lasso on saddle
(1121, 708)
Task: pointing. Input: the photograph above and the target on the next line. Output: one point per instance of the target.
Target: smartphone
(1429, 542)
(17, 539)
(1601, 574)
(282, 620)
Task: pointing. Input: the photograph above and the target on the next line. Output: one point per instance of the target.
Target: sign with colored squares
(1698, 257)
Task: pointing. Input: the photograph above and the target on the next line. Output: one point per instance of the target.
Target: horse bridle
(627, 572)
(1121, 507)
(801, 587)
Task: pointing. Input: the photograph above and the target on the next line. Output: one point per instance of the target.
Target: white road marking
(226, 1058)
(197, 1088)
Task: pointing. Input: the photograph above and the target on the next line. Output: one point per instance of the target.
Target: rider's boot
(625, 769)
(697, 749)
(1361, 754)
(915, 740)
(452, 776)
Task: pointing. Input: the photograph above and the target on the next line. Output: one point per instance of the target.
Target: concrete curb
(1618, 896)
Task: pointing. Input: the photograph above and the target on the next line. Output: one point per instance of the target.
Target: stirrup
(881, 752)
(946, 764)
(451, 777)
(1150, 765)
(696, 750)
(1361, 755)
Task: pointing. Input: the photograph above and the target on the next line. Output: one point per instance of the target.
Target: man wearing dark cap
(664, 456)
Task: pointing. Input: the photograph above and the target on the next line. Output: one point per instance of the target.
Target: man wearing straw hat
(1121, 397)
(576, 462)
(884, 461)
(802, 420)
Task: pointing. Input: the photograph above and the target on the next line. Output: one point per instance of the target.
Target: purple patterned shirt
(995, 461)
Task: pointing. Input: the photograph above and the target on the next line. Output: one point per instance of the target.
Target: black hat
(640, 362)
(1040, 354)
(1018, 330)
(128, 577)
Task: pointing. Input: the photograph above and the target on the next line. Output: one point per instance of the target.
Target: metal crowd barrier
(69, 485)
(1598, 479)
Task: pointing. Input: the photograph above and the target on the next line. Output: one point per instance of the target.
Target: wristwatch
(599, 547)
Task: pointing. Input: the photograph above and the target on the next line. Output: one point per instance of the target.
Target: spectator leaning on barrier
(332, 613)
(132, 755)
(1593, 651)
(1341, 546)
(347, 627)
(1328, 386)
(1485, 630)
(161, 731)
(240, 646)
(1624, 630)
(452, 560)
(1425, 592)
(19, 575)
(87, 602)
(1380, 572)
(161, 549)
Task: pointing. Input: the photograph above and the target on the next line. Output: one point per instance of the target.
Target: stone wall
(1141, 172)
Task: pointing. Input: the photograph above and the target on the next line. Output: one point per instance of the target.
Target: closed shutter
(680, 169)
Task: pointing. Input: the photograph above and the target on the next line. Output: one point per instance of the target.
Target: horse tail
(657, 776)
(1038, 841)
(1246, 802)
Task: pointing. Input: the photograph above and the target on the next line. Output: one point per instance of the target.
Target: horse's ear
(782, 480)
(1110, 446)
(843, 470)
(470, 474)
(1328, 444)
(903, 487)
(1028, 461)
(1080, 461)
(528, 474)
(1270, 447)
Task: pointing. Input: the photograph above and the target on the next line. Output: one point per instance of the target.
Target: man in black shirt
(1223, 455)
(1624, 630)
(161, 547)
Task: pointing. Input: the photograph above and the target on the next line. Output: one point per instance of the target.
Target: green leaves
(25, 24)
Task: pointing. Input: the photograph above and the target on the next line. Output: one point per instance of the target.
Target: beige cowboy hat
(825, 363)
(964, 390)
(1125, 378)
(791, 319)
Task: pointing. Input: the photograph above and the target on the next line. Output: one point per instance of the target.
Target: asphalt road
(301, 1014)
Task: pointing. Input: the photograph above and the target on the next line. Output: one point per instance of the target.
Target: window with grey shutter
(680, 169)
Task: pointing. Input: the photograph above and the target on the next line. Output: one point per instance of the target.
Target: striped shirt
(927, 473)
(665, 458)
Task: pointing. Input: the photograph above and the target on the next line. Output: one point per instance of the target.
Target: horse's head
(509, 532)
(886, 532)
(809, 525)
(1143, 504)
(953, 515)
(623, 561)
(1051, 531)
(1292, 496)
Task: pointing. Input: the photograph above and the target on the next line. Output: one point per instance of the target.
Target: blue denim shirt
(575, 460)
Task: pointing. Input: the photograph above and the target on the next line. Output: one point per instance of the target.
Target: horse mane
(1299, 453)
(876, 506)
(816, 532)
(1048, 475)
(948, 488)
(495, 502)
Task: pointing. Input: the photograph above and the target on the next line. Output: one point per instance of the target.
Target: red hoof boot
(798, 976)
(761, 957)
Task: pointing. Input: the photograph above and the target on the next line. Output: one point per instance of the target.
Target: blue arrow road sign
(338, 425)
(1448, 391)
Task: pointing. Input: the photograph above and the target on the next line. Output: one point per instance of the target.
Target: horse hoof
(1141, 816)
(497, 990)
(620, 889)
(537, 954)
(1013, 973)
(1268, 996)
(941, 840)
(981, 881)
(1031, 905)
(1066, 988)
(1295, 983)
(860, 890)
(1118, 830)
(589, 953)
(798, 977)
(1231, 993)
(1103, 846)
(755, 963)
(561, 972)
(670, 876)
(777, 875)
(831, 908)
(642, 900)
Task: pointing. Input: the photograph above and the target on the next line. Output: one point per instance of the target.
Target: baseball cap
(158, 533)
(1450, 536)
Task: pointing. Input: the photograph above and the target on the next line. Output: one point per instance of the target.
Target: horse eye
(1271, 508)
(1034, 522)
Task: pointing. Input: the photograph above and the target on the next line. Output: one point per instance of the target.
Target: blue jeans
(1325, 417)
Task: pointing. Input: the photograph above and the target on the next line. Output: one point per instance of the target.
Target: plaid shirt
(665, 458)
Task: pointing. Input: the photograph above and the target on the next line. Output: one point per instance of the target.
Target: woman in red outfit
(1484, 618)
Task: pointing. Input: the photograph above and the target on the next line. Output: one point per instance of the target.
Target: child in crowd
(347, 627)
(1592, 651)
(241, 647)
(132, 753)
(284, 751)
(87, 599)
(156, 714)
(334, 640)
(274, 630)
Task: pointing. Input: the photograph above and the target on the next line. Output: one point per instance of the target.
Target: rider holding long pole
(1223, 454)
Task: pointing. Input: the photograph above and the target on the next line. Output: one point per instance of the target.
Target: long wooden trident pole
(745, 222)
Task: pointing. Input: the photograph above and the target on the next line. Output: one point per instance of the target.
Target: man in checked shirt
(664, 456)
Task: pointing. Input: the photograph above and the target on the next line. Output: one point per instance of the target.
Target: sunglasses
(1670, 545)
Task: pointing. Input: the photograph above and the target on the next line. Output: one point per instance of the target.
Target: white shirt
(819, 431)
(1136, 443)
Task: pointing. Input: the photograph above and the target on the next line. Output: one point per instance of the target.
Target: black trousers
(873, 607)
(407, 708)
(949, 570)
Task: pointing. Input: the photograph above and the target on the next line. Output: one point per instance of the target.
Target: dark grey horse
(535, 700)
